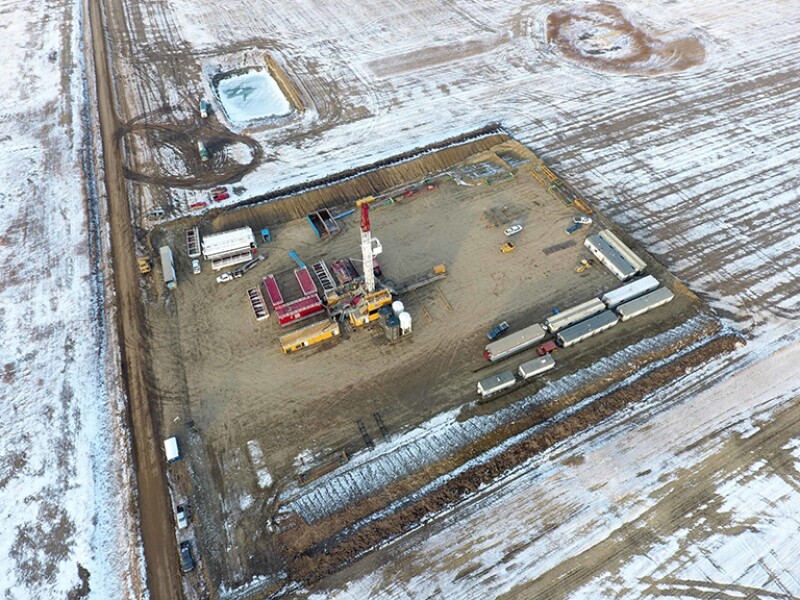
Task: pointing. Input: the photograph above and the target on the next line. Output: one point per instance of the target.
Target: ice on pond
(252, 96)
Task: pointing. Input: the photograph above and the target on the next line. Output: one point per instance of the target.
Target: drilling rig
(367, 308)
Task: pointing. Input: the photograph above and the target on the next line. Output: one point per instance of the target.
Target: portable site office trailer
(575, 314)
(647, 302)
(229, 248)
(630, 291)
(586, 329)
(628, 254)
(610, 257)
(536, 366)
(514, 342)
(171, 449)
(168, 267)
(496, 383)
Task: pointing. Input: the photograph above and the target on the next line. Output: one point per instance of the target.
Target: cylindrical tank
(405, 323)
(392, 329)
(397, 307)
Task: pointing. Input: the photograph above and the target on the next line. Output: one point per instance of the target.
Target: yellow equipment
(144, 265)
(584, 264)
(507, 247)
(309, 335)
(367, 309)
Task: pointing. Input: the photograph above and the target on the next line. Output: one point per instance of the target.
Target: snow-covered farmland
(65, 483)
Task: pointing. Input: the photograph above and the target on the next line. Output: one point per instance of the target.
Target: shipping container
(514, 342)
(168, 267)
(573, 315)
(610, 257)
(536, 366)
(647, 302)
(630, 291)
(586, 329)
(496, 383)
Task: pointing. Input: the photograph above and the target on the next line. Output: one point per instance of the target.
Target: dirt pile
(602, 37)
(322, 557)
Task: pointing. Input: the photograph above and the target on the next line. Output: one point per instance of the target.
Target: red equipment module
(272, 290)
(300, 309)
(306, 283)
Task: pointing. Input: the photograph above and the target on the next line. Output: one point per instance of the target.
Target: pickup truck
(547, 348)
(497, 331)
(573, 228)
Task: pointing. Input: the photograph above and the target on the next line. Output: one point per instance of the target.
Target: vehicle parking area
(251, 418)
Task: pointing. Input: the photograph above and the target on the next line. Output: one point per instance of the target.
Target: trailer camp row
(615, 255)
(495, 384)
(585, 320)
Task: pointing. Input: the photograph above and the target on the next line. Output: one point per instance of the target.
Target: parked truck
(201, 148)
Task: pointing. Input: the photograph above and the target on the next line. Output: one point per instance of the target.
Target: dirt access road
(160, 549)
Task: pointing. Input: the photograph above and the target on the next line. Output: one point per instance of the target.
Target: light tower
(367, 255)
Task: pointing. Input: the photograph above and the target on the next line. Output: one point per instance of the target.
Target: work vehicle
(198, 205)
(201, 149)
(497, 331)
(546, 348)
(145, 265)
(156, 213)
(513, 230)
(196, 266)
(514, 342)
(573, 228)
(224, 277)
(507, 247)
(220, 196)
(582, 219)
(583, 266)
(182, 516)
(187, 562)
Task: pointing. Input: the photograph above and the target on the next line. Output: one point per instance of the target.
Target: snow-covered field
(64, 480)
(699, 163)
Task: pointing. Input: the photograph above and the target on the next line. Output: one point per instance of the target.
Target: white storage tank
(405, 323)
(397, 308)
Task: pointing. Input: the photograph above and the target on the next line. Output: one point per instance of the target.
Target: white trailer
(496, 383)
(168, 267)
(514, 342)
(229, 247)
(610, 257)
(641, 305)
(628, 254)
(630, 291)
(171, 449)
(536, 366)
(574, 315)
(586, 329)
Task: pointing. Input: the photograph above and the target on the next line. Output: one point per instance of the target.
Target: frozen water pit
(251, 96)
